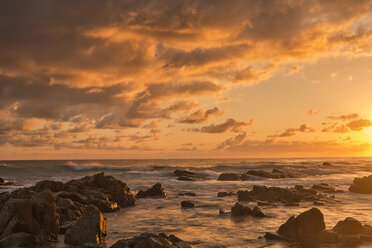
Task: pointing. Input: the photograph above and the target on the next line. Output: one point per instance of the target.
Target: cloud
(229, 125)
(292, 131)
(358, 125)
(313, 111)
(354, 125)
(344, 117)
(201, 116)
(234, 141)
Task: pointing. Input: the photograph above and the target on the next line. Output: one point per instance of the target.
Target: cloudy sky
(185, 79)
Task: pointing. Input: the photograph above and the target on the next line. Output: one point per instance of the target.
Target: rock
(73, 196)
(43, 211)
(19, 239)
(258, 212)
(349, 226)
(46, 184)
(187, 194)
(187, 204)
(90, 228)
(275, 236)
(156, 190)
(240, 210)
(147, 240)
(362, 185)
(324, 187)
(245, 195)
(327, 164)
(318, 203)
(16, 216)
(223, 194)
(291, 204)
(226, 176)
(4, 182)
(185, 175)
(69, 210)
(305, 227)
(327, 237)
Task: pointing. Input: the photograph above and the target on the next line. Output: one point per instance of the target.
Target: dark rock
(291, 204)
(362, 185)
(274, 174)
(187, 194)
(19, 239)
(90, 228)
(327, 237)
(275, 236)
(240, 210)
(16, 216)
(258, 212)
(76, 197)
(324, 187)
(147, 240)
(187, 204)
(69, 210)
(245, 195)
(223, 194)
(226, 176)
(327, 164)
(156, 190)
(46, 184)
(318, 203)
(43, 211)
(4, 182)
(305, 227)
(349, 226)
(185, 175)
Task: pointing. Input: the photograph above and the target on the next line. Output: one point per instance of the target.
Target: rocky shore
(37, 216)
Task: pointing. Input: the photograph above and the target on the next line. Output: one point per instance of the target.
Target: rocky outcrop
(185, 175)
(283, 195)
(257, 175)
(362, 185)
(224, 194)
(156, 190)
(241, 210)
(308, 228)
(147, 240)
(326, 188)
(89, 229)
(227, 176)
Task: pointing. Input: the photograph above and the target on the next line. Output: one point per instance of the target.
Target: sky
(142, 79)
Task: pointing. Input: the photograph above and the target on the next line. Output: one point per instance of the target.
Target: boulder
(362, 185)
(47, 184)
(227, 176)
(240, 210)
(305, 227)
(187, 204)
(69, 210)
(327, 237)
(19, 240)
(156, 190)
(47, 220)
(349, 226)
(90, 228)
(16, 216)
(245, 195)
(258, 212)
(147, 240)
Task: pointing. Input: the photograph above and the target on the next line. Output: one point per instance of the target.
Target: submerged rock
(147, 240)
(257, 175)
(325, 187)
(90, 228)
(258, 212)
(362, 185)
(226, 176)
(185, 175)
(156, 190)
(224, 194)
(187, 204)
(187, 194)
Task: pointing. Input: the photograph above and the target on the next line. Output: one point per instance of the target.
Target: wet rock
(73, 196)
(16, 216)
(4, 182)
(349, 226)
(258, 212)
(327, 237)
(156, 190)
(305, 227)
(50, 185)
(20, 239)
(224, 194)
(187, 204)
(324, 187)
(362, 185)
(227, 176)
(240, 210)
(90, 228)
(69, 210)
(43, 211)
(275, 236)
(187, 194)
(245, 195)
(147, 240)
(185, 175)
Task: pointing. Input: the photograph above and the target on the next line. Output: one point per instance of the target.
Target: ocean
(203, 225)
